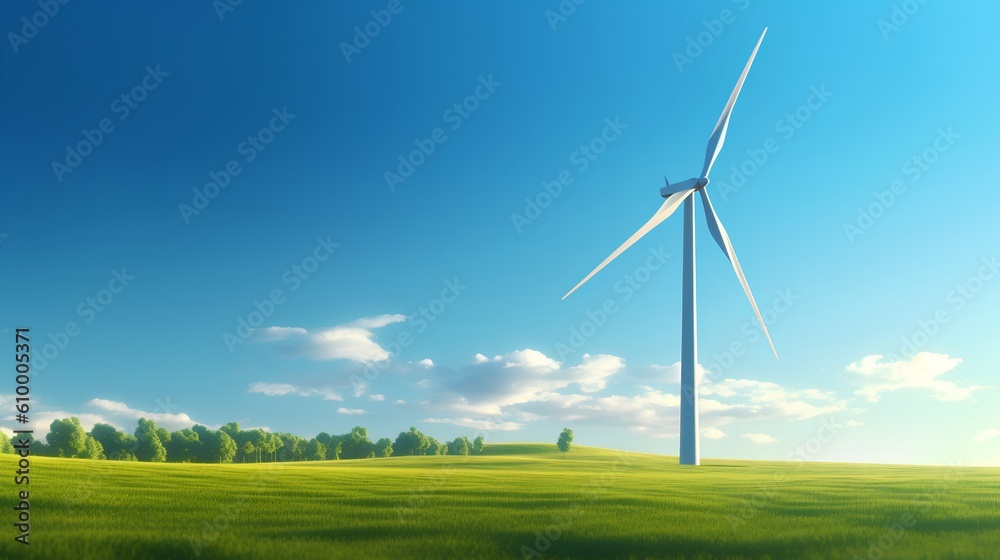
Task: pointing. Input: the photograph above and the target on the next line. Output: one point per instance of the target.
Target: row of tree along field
(198, 444)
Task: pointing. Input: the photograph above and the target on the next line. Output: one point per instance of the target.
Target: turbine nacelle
(693, 183)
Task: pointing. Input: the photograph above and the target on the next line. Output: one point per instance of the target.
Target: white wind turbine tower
(676, 194)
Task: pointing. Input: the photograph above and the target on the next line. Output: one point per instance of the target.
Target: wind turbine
(676, 194)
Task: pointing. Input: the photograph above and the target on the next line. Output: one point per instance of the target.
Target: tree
(240, 439)
(118, 446)
(315, 451)
(164, 435)
(127, 444)
(185, 446)
(293, 447)
(267, 445)
(411, 443)
(260, 442)
(565, 441)
(435, 447)
(93, 450)
(107, 435)
(233, 429)
(36, 446)
(125, 447)
(198, 444)
(403, 445)
(460, 446)
(335, 448)
(248, 450)
(214, 446)
(150, 446)
(222, 448)
(383, 447)
(357, 445)
(67, 438)
(201, 451)
(274, 444)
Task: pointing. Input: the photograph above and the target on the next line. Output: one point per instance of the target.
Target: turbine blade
(718, 137)
(669, 205)
(722, 238)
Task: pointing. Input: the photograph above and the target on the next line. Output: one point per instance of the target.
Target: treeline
(228, 444)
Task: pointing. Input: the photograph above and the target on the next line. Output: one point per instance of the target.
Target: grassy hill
(595, 503)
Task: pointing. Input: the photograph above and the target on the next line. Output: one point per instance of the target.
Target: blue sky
(868, 233)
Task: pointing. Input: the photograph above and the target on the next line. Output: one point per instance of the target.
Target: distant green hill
(529, 449)
(515, 501)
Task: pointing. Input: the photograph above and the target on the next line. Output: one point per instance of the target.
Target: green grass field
(595, 503)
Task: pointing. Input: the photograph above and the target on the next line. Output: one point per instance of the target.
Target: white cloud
(853, 423)
(528, 359)
(665, 374)
(345, 343)
(351, 411)
(114, 413)
(760, 438)
(359, 388)
(655, 412)
(376, 397)
(488, 425)
(770, 400)
(986, 435)
(515, 414)
(423, 383)
(593, 372)
(526, 385)
(351, 341)
(560, 400)
(272, 389)
(762, 391)
(117, 408)
(271, 334)
(922, 371)
(713, 433)
(377, 321)
(527, 375)
(399, 401)
(282, 389)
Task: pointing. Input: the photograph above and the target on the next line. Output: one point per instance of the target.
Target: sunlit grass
(594, 503)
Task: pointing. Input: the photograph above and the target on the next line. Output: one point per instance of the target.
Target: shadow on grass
(679, 548)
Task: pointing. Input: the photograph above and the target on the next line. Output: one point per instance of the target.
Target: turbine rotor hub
(692, 183)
